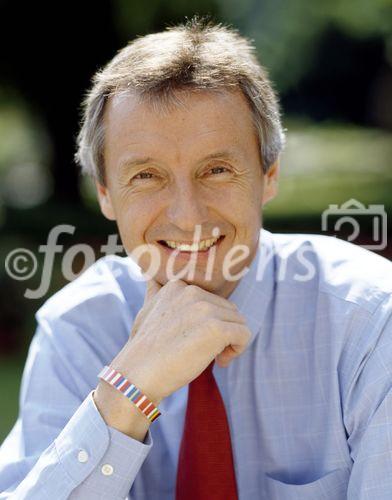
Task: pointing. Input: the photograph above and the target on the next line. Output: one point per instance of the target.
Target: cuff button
(107, 470)
(83, 456)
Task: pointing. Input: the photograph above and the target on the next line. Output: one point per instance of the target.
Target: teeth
(203, 245)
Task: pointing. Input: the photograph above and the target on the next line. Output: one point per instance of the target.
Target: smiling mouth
(192, 247)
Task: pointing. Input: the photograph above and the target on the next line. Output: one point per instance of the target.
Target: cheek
(246, 216)
(245, 204)
(227, 196)
(134, 220)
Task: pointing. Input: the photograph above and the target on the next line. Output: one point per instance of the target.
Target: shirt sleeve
(368, 411)
(114, 473)
(60, 446)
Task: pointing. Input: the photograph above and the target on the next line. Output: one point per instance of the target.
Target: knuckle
(213, 324)
(241, 317)
(172, 287)
(172, 284)
(247, 334)
(233, 305)
(203, 307)
(192, 291)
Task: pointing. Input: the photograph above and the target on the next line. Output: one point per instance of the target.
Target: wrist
(128, 389)
(141, 380)
(120, 413)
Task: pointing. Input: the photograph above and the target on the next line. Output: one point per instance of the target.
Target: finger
(151, 292)
(225, 357)
(173, 288)
(238, 337)
(152, 288)
(219, 301)
(214, 299)
(214, 311)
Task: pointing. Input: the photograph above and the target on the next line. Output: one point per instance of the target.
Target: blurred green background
(331, 63)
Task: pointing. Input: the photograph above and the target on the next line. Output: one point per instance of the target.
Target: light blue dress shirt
(309, 402)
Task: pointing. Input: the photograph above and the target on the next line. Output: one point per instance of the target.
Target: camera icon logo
(354, 213)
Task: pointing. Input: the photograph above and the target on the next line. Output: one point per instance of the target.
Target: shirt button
(107, 470)
(82, 456)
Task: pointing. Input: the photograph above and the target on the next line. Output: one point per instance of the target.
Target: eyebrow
(228, 155)
(131, 164)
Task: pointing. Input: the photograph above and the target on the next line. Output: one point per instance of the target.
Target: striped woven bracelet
(130, 391)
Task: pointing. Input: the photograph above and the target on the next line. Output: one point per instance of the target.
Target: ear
(270, 188)
(105, 201)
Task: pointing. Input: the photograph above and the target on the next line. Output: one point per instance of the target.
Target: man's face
(169, 170)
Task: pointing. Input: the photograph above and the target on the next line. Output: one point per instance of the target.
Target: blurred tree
(49, 53)
(339, 83)
(287, 32)
(328, 59)
(141, 17)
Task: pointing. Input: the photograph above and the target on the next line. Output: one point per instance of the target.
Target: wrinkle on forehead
(164, 104)
(218, 122)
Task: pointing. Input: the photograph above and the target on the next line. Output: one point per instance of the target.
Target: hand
(180, 329)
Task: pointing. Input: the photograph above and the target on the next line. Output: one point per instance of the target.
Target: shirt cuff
(98, 458)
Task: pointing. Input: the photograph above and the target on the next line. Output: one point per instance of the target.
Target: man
(271, 367)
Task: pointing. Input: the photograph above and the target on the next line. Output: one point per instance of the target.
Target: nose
(186, 208)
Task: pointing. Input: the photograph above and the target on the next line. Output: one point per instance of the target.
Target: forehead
(189, 123)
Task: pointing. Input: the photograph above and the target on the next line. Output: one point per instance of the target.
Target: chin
(210, 286)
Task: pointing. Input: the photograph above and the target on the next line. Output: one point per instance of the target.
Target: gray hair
(197, 55)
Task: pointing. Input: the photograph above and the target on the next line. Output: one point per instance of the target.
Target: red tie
(205, 465)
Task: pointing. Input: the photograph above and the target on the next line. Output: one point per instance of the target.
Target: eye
(142, 176)
(218, 170)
